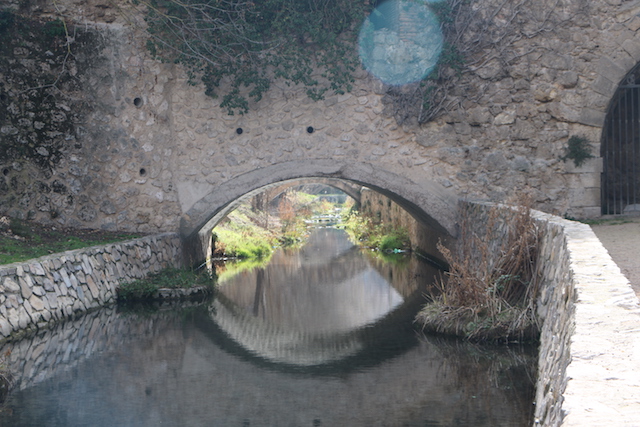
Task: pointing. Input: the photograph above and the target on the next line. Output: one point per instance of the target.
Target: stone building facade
(142, 145)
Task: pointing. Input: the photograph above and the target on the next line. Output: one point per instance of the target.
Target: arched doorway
(620, 149)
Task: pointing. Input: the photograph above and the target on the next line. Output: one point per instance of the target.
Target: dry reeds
(489, 291)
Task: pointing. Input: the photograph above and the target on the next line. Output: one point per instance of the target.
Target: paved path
(621, 237)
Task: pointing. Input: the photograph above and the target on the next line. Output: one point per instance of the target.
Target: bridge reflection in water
(310, 307)
(260, 354)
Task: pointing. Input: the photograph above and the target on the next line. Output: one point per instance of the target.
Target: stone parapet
(589, 363)
(47, 289)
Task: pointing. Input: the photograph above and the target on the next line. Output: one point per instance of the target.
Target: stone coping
(603, 374)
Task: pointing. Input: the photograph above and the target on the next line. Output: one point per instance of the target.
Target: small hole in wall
(143, 171)
(310, 129)
(239, 131)
(138, 102)
(5, 171)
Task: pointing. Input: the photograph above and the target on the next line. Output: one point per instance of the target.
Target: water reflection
(308, 306)
(204, 365)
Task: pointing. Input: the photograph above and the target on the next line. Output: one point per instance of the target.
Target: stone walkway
(621, 238)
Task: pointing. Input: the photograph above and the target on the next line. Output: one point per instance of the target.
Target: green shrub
(579, 150)
(171, 278)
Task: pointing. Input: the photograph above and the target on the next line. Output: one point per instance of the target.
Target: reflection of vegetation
(6, 377)
(370, 233)
(491, 286)
(511, 369)
(170, 278)
(396, 259)
(229, 269)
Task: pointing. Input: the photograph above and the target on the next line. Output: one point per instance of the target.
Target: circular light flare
(400, 41)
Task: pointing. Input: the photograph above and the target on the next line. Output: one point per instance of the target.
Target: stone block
(36, 303)
(632, 47)
(604, 86)
(36, 269)
(11, 286)
(25, 286)
(591, 117)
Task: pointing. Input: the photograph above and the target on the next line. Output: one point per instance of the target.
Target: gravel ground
(621, 237)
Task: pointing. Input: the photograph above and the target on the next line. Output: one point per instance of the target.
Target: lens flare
(400, 41)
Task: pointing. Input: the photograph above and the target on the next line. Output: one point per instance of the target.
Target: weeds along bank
(588, 315)
(47, 289)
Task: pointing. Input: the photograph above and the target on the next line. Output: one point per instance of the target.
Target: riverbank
(44, 290)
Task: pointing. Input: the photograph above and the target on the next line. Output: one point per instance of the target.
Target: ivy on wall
(248, 44)
(38, 110)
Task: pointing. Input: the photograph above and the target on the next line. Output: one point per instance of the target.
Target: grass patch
(23, 240)
(238, 236)
(170, 278)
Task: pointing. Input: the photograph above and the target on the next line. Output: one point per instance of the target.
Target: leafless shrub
(490, 289)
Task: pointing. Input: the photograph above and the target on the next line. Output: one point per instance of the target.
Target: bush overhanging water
(489, 292)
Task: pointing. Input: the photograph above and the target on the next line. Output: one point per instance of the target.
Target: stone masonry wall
(149, 144)
(51, 288)
(588, 358)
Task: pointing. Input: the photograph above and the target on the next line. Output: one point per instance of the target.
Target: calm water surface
(321, 336)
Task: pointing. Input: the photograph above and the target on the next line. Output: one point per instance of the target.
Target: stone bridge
(132, 143)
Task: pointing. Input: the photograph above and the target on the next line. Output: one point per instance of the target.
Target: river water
(321, 336)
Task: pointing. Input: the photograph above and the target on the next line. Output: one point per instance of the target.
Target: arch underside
(428, 202)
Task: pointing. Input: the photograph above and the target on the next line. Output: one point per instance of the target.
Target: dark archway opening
(620, 149)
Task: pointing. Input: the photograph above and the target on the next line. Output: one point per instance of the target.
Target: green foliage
(370, 233)
(398, 240)
(240, 236)
(579, 150)
(248, 45)
(171, 278)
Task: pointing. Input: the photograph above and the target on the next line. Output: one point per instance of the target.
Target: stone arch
(620, 148)
(427, 201)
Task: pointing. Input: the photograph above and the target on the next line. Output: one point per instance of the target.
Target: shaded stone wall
(51, 288)
(589, 314)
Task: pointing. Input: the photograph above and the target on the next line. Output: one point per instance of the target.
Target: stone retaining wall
(47, 289)
(589, 357)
